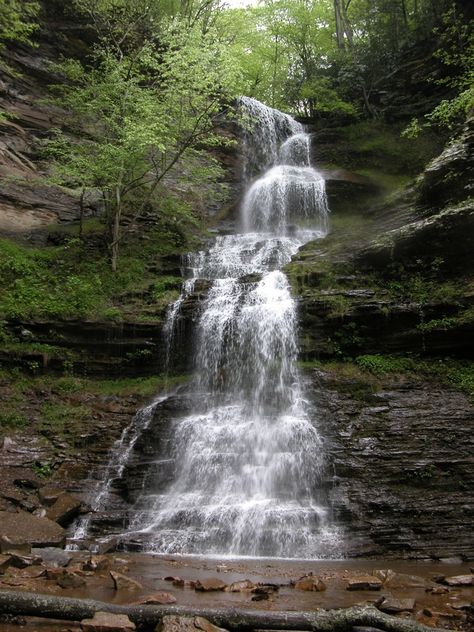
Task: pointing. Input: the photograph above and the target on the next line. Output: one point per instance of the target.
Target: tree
(151, 97)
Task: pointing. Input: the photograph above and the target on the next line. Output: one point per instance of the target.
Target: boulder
(210, 584)
(309, 582)
(393, 606)
(459, 580)
(64, 510)
(24, 527)
(122, 582)
(108, 622)
(364, 582)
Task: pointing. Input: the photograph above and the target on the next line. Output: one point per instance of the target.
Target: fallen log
(53, 607)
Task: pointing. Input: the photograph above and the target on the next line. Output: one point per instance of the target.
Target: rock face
(36, 531)
(402, 462)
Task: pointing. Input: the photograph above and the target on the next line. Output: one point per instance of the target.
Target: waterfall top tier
(290, 196)
(265, 129)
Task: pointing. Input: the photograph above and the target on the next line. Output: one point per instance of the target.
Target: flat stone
(364, 582)
(64, 509)
(70, 580)
(310, 583)
(24, 527)
(108, 622)
(392, 606)
(210, 584)
(459, 580)
(158, 598)
(52, 556)
(122, 582)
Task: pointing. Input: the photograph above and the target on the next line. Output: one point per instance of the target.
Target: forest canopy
(161, 76)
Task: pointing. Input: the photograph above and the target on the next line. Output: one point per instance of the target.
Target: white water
(248, 460)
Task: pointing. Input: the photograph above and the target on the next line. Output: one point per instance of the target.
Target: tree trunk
(115, 236)
(339, 29)
(234, 619)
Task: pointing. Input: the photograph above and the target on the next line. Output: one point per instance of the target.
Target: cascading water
(248, 459)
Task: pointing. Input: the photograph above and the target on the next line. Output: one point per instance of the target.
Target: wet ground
(451, 609)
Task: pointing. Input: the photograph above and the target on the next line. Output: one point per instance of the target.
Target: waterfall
(248, 459)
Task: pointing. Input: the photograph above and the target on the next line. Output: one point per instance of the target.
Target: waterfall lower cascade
(248, 460)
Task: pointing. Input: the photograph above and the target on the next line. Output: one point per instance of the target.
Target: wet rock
(244, 585)
(107, 546)
(393, 606)
(24, 527)
(5, 563)
(66, 579)
(310, 583)
(108, 622)
(23, 561)
(460, 580)
(122, 582)
(438, 590)
(203, 624)
(158, 598)
(364, 582)
(210, 584)
(54, 557)
(173, 623)
(49, 494)
(96, 563)
(265, 589)
(10, 545)
(64, 509)
(261, 597)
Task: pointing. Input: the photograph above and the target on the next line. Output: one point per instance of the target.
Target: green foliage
(71, 281)
(42, 470)
(17, 20)
(148, 100)
(456, 51)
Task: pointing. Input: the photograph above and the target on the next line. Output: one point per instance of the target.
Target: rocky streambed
(436, 594)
